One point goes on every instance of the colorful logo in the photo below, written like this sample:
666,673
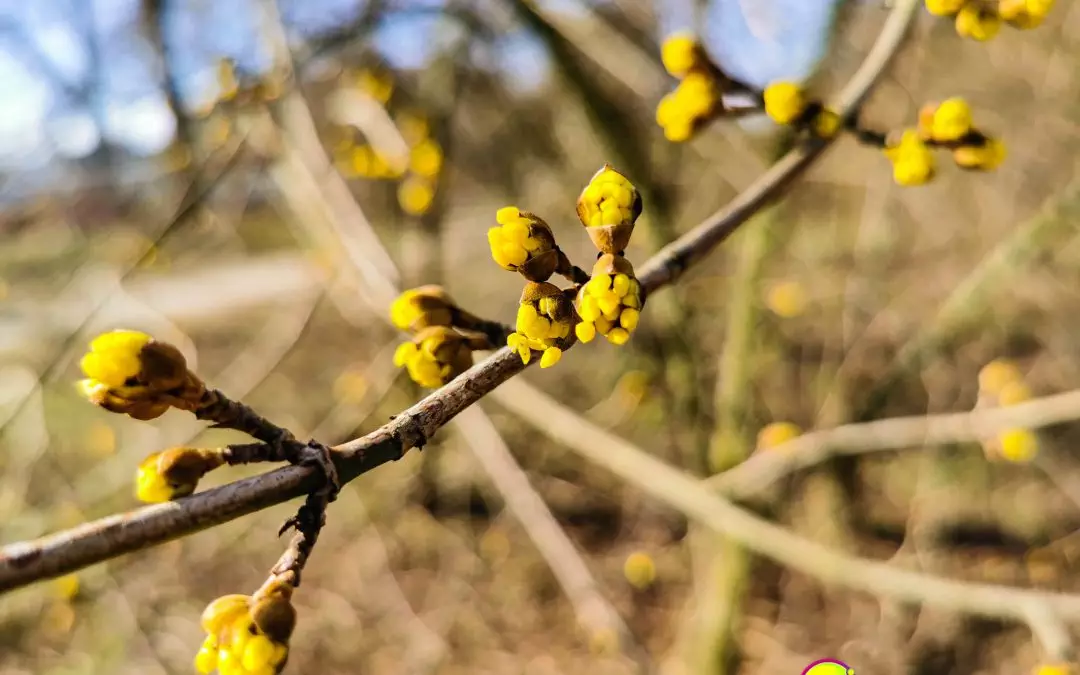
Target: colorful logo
828,667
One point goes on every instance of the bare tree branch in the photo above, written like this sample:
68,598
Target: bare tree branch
24,562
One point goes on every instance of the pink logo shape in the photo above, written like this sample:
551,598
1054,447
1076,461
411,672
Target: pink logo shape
828,667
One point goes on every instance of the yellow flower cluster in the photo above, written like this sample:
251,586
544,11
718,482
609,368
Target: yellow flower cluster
1001,383
776,434
913,163
173,473
435,356
247,635
950,125
129,372
608,207
545,320
696,99
981,21
522,242
786,103
610,303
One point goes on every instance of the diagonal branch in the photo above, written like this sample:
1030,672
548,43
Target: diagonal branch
693,497
22,563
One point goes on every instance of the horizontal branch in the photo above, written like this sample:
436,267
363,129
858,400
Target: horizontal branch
22,563
763,469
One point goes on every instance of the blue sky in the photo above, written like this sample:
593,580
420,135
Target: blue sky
51,108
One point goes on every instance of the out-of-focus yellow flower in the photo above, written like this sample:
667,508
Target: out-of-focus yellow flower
944,7
247,635
426,158
784,102
777,433
416,195
681,53
826,123
1054,669
173,473
1014,393
66,587
413,127
522,242
985,156
913,163
545,322
351,386
228,83
695,101
608,207
376,84
1024,14
640,570
1018,445
435,356
100,440
421,307
786,299
997,374
977,23
948,121
610,303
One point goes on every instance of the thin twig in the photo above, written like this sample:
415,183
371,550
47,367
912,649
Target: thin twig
695,499
764,469
22,563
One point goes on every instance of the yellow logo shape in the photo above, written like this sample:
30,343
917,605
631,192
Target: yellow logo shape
828,667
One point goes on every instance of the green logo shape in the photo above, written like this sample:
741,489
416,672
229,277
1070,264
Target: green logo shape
828,667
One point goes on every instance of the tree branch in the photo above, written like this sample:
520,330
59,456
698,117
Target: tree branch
693,497
22,563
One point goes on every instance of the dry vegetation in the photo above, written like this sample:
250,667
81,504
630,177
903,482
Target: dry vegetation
420,569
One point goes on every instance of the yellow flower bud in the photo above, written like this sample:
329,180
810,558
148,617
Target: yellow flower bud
996,375
784,102
681,53
546,322
610,303
950,121
522,242
977,23
913,163
129,372
1018,445
986,155
944,7
608,207
420,307
435,356
640,570
777,433
173,473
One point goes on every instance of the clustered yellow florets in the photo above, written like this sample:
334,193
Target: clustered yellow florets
610,303
247,635
777,433
981,21
522,242
696,99
435,356
950,125
129,372
786,103
545,323
608,207
913,163
1002,384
